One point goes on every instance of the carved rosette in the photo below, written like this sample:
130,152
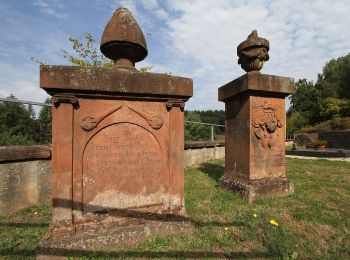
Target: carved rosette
88,123
266,123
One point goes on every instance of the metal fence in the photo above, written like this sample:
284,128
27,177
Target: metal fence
212,126
289,137
25,102
212,133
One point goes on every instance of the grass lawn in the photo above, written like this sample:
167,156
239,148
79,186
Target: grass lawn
312,223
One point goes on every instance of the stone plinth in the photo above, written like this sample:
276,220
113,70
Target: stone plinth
255,134
117,149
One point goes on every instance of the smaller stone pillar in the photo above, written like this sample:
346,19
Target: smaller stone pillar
255,126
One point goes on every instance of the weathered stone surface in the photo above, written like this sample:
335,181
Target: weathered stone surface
255,135
200,152
257,84
303,139
123,40
23,184
253,52
116,82
28,174
125,147
110,153
250,190
117,142
24,152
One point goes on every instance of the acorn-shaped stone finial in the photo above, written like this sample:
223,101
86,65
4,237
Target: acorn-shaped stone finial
123,40
253,52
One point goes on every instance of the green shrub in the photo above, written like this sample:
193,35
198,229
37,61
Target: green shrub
336,123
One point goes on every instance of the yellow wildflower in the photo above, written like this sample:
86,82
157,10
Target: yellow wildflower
273,222
226,228
255,215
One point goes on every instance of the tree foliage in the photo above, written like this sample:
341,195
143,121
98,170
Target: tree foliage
306,100
328,99
44,123
86,54
335,79
195,132
213,117
295,122
16,123
19,125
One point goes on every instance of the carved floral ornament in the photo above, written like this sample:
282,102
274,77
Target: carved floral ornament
266,123
88,123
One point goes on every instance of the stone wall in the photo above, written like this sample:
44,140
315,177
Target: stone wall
336,139
199,152
25,178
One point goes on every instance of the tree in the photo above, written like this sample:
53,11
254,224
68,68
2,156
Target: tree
335,107
85,54
44,121
306,100
335,78
295,122
213,117
195,132
17,123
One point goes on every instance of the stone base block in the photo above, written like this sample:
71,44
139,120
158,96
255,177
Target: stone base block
104,242
251,190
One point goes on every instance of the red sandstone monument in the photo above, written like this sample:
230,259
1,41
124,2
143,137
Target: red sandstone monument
117,148
255,126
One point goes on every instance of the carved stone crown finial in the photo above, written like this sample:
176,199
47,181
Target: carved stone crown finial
253,52
123,40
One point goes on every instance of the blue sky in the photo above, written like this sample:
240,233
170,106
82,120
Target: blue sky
195,39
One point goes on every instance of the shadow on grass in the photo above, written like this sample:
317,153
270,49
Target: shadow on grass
23,225
218,224
59,252
213,170
196,223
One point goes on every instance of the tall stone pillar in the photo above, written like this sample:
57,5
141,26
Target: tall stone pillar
117,148
255,126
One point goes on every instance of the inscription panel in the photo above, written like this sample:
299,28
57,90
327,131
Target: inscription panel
122,168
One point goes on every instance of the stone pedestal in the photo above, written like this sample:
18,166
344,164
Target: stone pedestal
117,150
255,135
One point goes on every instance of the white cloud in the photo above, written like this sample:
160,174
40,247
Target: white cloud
303,35
196,39
53,7
21,81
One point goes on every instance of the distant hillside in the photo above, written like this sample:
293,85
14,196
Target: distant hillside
213,117
333,124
